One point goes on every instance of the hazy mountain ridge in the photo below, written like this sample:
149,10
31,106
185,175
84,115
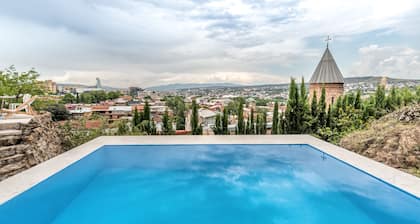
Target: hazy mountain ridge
180,86
377,79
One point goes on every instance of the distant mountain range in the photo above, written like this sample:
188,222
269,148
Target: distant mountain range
350,80
179,86
377,79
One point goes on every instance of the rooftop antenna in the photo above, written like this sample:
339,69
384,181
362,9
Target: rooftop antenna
328,40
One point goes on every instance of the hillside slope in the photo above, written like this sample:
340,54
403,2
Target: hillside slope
393,139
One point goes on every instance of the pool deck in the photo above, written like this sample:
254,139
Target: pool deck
21,182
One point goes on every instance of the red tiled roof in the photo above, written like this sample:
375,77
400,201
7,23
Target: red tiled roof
139,107
181,132
100,108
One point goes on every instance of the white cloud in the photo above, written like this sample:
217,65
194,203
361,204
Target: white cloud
400,62
154,41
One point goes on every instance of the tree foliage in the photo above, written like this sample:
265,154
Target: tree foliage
167,124
196,128
275,127
16,84
241,122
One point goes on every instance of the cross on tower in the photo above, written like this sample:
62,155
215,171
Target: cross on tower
328,40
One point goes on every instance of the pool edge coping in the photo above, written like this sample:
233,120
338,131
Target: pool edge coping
13,186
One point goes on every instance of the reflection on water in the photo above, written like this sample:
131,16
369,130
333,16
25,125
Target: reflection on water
230,184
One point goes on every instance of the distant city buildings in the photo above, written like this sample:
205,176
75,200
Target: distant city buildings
49,86
98,83
213,100
134,91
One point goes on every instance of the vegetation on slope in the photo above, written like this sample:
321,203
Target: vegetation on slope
393,139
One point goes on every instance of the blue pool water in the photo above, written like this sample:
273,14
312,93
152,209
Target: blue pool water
235,184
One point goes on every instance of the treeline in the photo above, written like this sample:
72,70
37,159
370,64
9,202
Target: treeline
350,112
142,123
312,116
256,124
177,105
91,97
13,83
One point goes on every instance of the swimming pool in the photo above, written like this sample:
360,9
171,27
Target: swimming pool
211,184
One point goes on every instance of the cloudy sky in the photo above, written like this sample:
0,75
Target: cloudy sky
155,42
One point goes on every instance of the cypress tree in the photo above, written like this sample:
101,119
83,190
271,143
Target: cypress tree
167,124
322,109
345,103
304,111
248,126
241,122
180,115
358,100
146,113
275,128
350,99
329,118
252,125
380,97
264,123
292,111
281,124
257,126
218,129
196,128
136,118
314,112
380,101
225,121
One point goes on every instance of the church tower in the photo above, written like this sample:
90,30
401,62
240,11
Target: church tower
327,75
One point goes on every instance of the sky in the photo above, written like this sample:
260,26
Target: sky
157,42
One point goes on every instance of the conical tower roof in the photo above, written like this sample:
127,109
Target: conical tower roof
327,70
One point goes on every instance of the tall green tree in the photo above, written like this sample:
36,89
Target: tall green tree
16,84
225,121
180,115
293,119
196,128
167,124
407,96
322,109
69,98
275,127
122,128
282,124
113,95
264,123
136,118
261,128
358,100
146,112
314,112
176,103
241,121
304,111
218,127
252,124
329,117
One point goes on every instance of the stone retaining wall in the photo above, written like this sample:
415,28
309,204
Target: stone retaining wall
23,145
